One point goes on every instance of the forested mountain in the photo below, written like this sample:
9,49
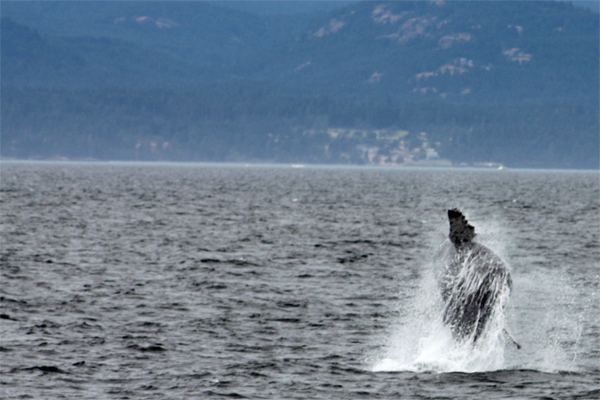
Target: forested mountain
197,32
363,82
29,59
485,50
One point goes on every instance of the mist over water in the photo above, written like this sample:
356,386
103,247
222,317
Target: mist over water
183,281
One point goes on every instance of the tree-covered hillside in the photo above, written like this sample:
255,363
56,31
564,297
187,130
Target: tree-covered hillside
31,60
197,32
514,83
460,50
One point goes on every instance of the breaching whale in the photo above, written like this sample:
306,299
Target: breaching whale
471,279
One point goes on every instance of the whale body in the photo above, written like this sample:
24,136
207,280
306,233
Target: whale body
471,280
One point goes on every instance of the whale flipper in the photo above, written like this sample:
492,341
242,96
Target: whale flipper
472,279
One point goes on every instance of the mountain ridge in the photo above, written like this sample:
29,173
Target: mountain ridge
407,45
29,59
199,33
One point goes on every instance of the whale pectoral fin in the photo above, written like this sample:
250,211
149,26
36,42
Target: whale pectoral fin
510,336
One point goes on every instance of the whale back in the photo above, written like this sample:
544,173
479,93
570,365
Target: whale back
471,294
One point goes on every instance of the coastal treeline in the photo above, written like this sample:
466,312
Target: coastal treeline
246,122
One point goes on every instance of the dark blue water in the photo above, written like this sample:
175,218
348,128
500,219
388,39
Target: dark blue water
200,281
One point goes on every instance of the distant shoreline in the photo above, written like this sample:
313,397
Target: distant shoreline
291,165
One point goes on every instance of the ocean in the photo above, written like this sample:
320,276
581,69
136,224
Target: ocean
200,281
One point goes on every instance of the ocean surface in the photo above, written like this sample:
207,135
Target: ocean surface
167,281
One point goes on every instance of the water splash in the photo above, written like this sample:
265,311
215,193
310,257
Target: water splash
546,320
540,313
420,342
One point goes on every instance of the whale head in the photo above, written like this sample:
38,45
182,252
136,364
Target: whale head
461,231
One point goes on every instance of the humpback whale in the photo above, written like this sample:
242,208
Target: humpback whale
471,279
